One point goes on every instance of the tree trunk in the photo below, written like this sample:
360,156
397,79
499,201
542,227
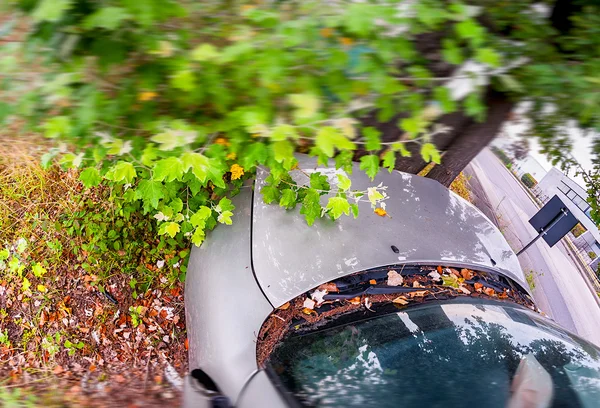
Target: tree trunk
472,140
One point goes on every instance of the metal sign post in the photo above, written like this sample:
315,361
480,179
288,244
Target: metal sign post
552,222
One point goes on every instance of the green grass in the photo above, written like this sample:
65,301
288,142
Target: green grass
530,277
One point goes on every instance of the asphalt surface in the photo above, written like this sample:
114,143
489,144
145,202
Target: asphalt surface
560,290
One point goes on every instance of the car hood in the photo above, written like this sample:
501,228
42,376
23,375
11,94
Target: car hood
427,224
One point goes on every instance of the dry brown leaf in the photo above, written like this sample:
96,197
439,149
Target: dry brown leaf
355,300
417,284
464,290
394,279
58,370
43,318
400,300
489,291
329,287
478,286
453,271
309,304
419,293
285,306
466,274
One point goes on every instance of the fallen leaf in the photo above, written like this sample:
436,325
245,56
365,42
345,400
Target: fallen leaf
439,269
464,290
394,279
503,295
419,293
329,287
92,368
43,318
478,286
380,211
58,370
401,300
450,280
309,304
186,343
453,271
489,291
285,306
373,282
466,274
417,284
368,304
41,288
308,311
355,300
317,296
435,276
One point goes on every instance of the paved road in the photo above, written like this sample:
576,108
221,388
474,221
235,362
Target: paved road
560,290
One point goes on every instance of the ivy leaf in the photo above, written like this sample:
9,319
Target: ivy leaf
200,216
90,177
150,191
283,152
225,217
50,10
430,153
169,228
389,160
204,52
198,163
198,236
109,18
370,165
319,181
288,198
330,138
307,105
311,206
270,193
344,182
121,172
338,206
168,169
255,153
443,96
372,137
488,56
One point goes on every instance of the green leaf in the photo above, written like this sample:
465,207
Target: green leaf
338,206
474,107
121,172
225,217
450,280
470,30
200,216
109,18
170,228
270,194
255,153
344,183
510,83
413,126
283,132
224,205
389,160
359,18
430,153
168,169
451,52
184,80
172,139
288,198
198,236
372,138
443,96
330,138
50,10
205,52
307,105
149,155
374,195
319,181
25,285
354,209
199,164
488,56
38,270
150,191
57,126
90,177
400,147
343,160
311,206
370,165
283,152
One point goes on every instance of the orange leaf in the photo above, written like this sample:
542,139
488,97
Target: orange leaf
439,269
285,306
355,300
400,300
478,286
186,343
326,32
466,274
380,211
419,293
346,41
373,282
489,291
329,287
308,311
146,96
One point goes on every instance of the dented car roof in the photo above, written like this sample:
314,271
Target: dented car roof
427,224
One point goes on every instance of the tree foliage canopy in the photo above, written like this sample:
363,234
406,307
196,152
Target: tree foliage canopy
174,103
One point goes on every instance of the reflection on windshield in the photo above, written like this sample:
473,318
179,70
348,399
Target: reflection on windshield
442,356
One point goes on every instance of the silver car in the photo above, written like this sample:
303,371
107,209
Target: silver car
425,307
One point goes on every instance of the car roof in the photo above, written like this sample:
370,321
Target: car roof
427,224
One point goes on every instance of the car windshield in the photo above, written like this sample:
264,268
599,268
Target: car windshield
441,355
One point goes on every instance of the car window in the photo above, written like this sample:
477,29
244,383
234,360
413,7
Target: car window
440,356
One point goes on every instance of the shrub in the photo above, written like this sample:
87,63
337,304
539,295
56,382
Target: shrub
592,255
578,230
528,180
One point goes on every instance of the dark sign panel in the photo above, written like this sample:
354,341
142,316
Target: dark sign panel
550,214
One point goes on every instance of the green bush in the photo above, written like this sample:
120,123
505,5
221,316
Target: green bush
578,230
528,180
592,255
502,156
